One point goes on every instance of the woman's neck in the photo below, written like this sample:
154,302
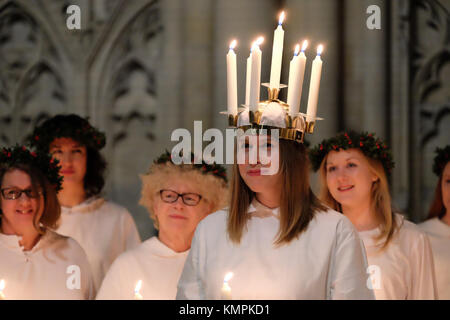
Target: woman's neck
362,216
71,195
268,199
178,243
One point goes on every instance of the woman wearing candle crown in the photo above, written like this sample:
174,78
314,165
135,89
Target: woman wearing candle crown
35,262
276,238
353,170
102,228
177,197
437,226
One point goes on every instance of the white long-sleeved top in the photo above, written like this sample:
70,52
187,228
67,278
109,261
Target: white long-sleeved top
52,270
327,261
158,266
404,269
439,234
103,229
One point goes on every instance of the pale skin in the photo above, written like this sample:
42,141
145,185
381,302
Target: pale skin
350,180
266,187
18,214
445,187
178,221
72,158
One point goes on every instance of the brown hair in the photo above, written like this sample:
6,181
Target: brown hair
437,208
52,209
380,198
298,203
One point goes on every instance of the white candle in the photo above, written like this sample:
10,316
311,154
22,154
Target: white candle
232,79
248,79
296,75
137,295
277,54
255,81
2,287
314,86
226,289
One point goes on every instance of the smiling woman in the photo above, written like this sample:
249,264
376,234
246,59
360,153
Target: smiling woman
31,254
177,197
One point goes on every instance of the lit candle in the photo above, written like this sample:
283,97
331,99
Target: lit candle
248,77
232,79
226,289
137,295
277,54
255,81
2,287
296,74
314,85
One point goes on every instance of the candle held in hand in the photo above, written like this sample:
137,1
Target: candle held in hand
137,295
226,289
2,287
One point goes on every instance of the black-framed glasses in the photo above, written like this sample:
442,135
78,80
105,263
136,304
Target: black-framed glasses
16,193
189,199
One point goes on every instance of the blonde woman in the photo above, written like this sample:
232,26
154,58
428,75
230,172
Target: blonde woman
353,171
276,240
437,226
177,197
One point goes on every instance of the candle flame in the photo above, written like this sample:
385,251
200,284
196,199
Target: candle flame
138,286
282,16
319,49
233,44
2,285
305,45
259,41
228,277
297,49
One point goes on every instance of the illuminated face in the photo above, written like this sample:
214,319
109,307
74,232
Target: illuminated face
446,187
349,177
252,172
175,217
73,159
19,212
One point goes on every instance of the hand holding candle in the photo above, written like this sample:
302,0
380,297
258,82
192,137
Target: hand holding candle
137,295
296,75
232,79
277,54
314,86
226,289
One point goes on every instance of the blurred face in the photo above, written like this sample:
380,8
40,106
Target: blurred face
349,177
251,173
73,159
177,217
18,213
446,187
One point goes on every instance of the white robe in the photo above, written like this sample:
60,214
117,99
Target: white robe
103,229
439,234
45,272
327,261
158,266
404,270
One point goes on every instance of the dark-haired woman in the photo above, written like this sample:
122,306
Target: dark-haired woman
437,226
35,262
276,240
103,229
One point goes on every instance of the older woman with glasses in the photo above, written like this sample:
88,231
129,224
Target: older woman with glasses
177,197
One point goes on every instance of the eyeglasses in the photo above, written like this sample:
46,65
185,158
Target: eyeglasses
189,199
15,193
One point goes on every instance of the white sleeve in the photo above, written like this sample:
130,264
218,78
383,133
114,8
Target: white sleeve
348,277
423,286
111,288
190,283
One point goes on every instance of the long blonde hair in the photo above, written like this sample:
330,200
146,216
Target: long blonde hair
380,199
298,204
